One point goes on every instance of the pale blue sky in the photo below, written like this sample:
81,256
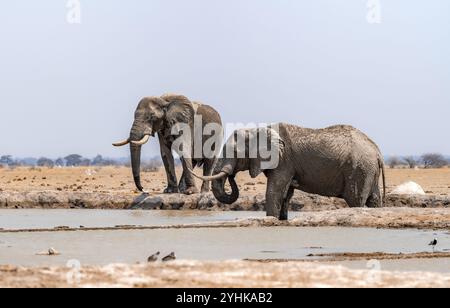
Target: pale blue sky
73,88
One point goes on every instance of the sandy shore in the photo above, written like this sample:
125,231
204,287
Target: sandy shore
255,202
230,274
112,188
384,218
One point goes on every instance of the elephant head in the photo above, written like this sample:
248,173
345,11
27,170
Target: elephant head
247,150
148,120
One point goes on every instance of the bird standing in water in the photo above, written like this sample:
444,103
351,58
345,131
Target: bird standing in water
153,258
433,244
170,257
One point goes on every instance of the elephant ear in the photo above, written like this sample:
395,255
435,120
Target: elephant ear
179,110
269,154
255,168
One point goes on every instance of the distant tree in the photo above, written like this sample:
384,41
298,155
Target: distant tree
85,162
98,161
6,160
28,161
434,160
394,162
411,162
45,162
59,162
73,160
15,163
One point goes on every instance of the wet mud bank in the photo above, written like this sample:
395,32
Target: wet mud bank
347,256
256,202
229,274
382,218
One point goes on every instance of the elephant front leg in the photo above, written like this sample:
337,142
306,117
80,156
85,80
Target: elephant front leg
169,166
187,179
279,193
207,171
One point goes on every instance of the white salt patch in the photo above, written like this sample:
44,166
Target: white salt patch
409,188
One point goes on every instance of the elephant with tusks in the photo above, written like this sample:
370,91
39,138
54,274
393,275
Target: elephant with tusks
159,116
338,161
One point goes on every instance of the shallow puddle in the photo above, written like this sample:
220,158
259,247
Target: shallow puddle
105,247
48,219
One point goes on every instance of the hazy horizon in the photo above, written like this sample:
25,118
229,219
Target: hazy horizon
73,88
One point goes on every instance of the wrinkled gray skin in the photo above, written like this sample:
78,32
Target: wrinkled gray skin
156,116
338,161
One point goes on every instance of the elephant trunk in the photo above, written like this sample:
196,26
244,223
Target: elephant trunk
136,165
135,149
220,193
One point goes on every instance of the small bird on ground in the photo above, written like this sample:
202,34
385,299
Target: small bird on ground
153,258
170,257
433,244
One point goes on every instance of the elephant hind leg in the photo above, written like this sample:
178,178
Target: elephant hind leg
278,188
375,200
285,206
358,192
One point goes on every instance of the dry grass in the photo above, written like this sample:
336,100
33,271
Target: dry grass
112,179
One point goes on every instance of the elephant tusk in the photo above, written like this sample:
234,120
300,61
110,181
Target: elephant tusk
122,143
142,141
219,176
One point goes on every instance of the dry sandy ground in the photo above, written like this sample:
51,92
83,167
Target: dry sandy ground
112,188
230,274
111,179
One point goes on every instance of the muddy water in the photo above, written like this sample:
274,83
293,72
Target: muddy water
104,247
48,219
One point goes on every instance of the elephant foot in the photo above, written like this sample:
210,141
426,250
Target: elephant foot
283,217
190,191
171,190
206,189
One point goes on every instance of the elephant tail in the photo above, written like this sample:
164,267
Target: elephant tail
383,171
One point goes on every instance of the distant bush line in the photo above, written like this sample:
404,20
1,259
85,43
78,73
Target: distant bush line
76,160
426,161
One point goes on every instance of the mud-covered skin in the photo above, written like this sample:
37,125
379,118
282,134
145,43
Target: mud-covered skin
338,161
157,116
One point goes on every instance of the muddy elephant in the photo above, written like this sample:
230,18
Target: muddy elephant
158,116
338,161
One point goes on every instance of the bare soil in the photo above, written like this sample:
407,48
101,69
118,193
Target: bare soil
119,180
113,188
231,274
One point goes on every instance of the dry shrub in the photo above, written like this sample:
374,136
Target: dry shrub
434,160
